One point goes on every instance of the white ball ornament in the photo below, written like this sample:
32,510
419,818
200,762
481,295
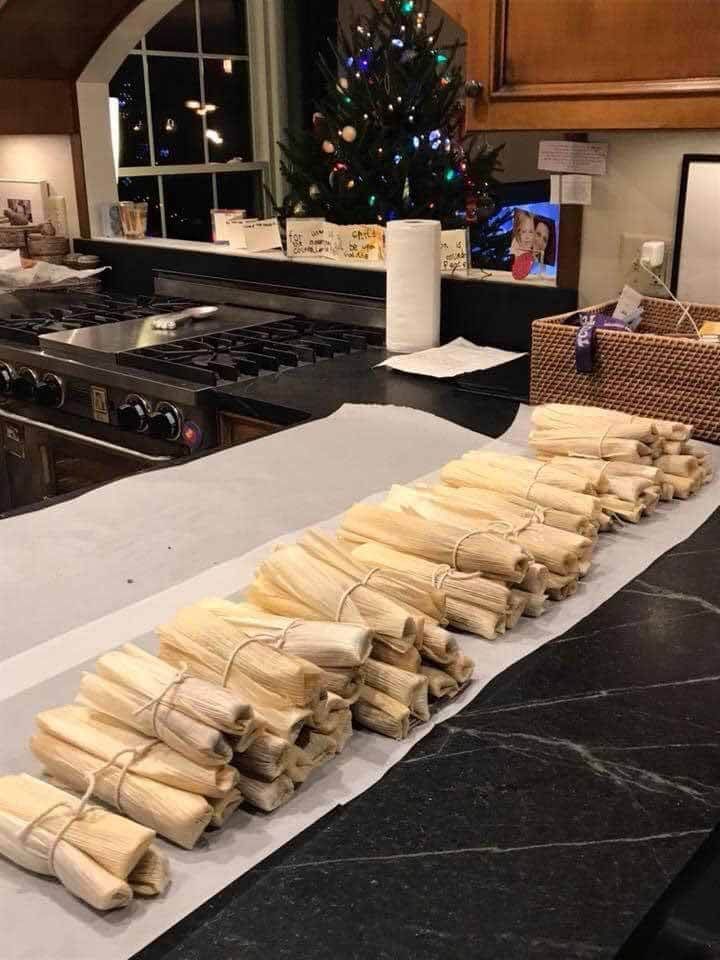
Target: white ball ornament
348,134
344,84
328,146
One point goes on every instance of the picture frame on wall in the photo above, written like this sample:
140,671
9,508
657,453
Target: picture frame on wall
696,255
23,202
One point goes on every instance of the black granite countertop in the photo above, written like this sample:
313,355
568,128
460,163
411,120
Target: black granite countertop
540,823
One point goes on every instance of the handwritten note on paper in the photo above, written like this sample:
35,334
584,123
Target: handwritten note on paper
361,242
453,251
262,235
571,188
570,156
307,237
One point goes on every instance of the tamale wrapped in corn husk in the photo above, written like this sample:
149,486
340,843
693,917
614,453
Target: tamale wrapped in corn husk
628,510
151,876
265,759
536,579
471,618
115,843
175,814
534,604
619,468
560,588
283,720
197,741
325,644
679,466
105,739
518,602
547,472
318,747
343,732
77,872
684,487
408,688
297,681
334,595
553,416
594,470
343,682
606,522
379,712
409,661
438,644
579,441
461,670
411,533
694,449
266,796
468,473
440,684
224,807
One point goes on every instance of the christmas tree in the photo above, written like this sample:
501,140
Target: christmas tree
388,138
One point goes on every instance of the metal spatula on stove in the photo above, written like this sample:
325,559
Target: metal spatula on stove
171,321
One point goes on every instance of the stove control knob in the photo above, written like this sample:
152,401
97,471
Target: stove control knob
165,423
49,392
133,414
7,377
25,384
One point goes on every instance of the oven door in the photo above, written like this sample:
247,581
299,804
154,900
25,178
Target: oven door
40,462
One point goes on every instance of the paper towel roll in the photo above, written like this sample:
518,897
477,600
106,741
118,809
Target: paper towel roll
413,285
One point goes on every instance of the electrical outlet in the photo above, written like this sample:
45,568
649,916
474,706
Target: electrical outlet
630,244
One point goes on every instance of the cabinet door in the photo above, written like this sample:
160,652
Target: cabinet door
592,64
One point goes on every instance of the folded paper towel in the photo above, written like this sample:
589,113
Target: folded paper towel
457,357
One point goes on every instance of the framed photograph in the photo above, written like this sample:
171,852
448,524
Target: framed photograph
696,256
22,202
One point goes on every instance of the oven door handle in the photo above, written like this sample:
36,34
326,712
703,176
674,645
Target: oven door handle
80,437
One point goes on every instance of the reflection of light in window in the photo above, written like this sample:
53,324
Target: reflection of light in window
192,104
228,65
170,125
214,136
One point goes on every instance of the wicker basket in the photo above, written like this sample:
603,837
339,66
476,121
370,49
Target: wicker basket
658,372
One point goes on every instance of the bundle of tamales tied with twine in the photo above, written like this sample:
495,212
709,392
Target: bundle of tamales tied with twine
98,856
152,741
300,679
413,658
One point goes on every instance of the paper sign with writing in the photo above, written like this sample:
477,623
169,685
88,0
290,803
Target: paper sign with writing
570,156
359,242
307,237
262,235
453,251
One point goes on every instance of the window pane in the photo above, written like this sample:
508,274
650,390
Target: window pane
177,129
129,87
176,31
143,188
227,87
240,191
188,201
224,26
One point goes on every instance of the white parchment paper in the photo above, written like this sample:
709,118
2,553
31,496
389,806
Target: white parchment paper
46,674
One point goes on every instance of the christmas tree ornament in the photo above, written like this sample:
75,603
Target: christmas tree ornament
314,191
343,83
348,133
300,210
328,146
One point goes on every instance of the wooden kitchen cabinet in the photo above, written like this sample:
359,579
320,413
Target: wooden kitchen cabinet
591,64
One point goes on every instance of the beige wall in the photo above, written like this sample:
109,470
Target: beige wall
42,158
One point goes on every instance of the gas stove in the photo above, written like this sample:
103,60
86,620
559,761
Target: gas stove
91,368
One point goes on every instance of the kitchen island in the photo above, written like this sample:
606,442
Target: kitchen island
543,821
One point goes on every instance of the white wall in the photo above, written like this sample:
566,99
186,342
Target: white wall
45,157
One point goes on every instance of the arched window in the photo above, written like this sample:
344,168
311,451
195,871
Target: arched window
195,118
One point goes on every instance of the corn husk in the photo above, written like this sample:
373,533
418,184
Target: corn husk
467,552
271,711
621,469
335,595
297,681
461,670
468,473
629,510
113,842
408,688
533,470
409,660
151,876
649,501
438,644
317,747
175,814
324,644
77,872
679,466
266,758
104,739
694,449
196,741
224,807
440,684
560,588
488,624
557,416
379,712
344,683
534,604
468,587
343,732
582,442
594,470
684,487
266,796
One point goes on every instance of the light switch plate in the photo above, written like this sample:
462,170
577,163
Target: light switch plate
630,245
